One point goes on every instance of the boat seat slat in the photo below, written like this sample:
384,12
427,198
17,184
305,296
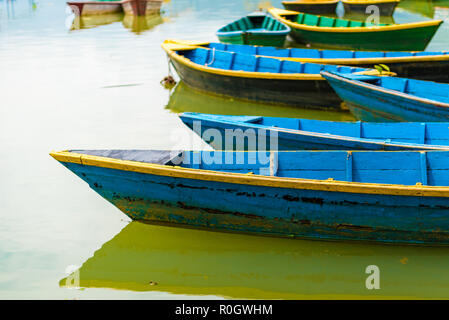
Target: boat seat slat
349,166
423,165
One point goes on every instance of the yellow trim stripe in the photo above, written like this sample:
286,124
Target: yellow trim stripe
246,179
170,47
279,13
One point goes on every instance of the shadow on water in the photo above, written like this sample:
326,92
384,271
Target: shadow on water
185,99
185,261
136,24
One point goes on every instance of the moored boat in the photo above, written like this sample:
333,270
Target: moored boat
86,8
385,7
372,98
257,28
312,6
422,65
338,33
141,7
255,132
396,197
256,78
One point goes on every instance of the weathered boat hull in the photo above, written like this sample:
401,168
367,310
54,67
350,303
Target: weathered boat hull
87,8
270,211
314,7
385,8
299,93
381,106
141,7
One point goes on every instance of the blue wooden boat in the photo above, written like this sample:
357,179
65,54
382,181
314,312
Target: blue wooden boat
257,28
304,134
422,65
255,78
373,98
386,196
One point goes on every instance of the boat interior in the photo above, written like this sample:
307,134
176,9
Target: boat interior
254,23
243,62
316,53
432,133
321,21
397,167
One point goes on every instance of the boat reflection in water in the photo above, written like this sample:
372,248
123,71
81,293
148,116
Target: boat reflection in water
185,261
136,24
87,22
185,99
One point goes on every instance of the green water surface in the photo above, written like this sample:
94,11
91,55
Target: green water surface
95,83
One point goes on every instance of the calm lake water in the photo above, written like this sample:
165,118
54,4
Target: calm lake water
94,83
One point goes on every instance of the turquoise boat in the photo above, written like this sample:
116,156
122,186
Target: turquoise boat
261,79
305,134
386,196
373,98
257,28
422,65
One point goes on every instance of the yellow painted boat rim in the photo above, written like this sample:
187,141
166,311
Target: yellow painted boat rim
252,179
279,13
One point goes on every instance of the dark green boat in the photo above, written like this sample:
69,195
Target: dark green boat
257,28
337,33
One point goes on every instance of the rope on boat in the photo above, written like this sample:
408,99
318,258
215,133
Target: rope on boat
213,58
168,82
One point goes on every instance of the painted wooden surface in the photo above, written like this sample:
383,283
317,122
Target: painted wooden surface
386,7
398,197
256,78
312,6
256,29
422,65
305,134
338,33
392,99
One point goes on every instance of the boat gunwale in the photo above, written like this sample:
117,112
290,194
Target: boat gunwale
379,142
279,13
253,179
240,73
388,91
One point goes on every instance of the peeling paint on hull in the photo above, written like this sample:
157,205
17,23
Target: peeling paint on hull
271,211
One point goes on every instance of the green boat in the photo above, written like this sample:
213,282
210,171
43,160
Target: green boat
257,28
337,33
